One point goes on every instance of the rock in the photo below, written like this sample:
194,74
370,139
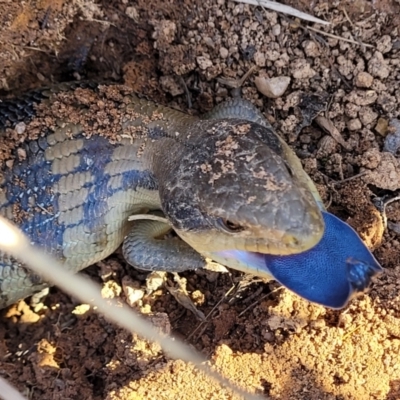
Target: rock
377,66
276,30
259,59
311,48
131,290
273,87
223,52
367,115
363,80
354,124
204,62
382,126
384,44
362,97
392,141
20,128
301,69
132,13
387,174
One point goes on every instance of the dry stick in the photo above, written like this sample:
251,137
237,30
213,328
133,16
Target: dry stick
282,8
185,88
236,83
36,49
212,310
339,37
8,392
343,9
351,178
15,243
259,300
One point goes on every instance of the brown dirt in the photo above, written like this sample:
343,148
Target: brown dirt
273,344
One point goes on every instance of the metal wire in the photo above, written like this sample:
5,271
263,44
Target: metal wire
13,242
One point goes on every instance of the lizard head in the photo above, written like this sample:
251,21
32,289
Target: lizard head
331,273
229,186
239,196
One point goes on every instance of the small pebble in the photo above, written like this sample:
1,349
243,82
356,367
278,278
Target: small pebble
204,62
20,128
354,124
40,77
384,44
311,48
81,309
10,163
273,87
155,280
392,141
209,42
132,290
133,295
21,154
301,69
132,13
223,52
259,59
326,146
363,80
111,290
377,66
276,30
382,126
367,115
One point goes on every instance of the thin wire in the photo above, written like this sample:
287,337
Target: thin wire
8,392
13,242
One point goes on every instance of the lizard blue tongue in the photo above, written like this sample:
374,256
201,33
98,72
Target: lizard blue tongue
330,273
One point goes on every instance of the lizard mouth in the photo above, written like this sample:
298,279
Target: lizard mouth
329,274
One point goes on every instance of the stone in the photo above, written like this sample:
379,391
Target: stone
273,87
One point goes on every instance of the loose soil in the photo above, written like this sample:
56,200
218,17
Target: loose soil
269,342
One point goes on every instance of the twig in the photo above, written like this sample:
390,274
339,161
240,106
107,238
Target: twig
272,5
339,37
36,49
328,125
259,300
45,21
351,178
236,83
210,313
343,9
185,88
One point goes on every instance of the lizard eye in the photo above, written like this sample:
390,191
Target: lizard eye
228,226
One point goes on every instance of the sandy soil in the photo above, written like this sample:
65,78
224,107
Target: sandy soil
268,342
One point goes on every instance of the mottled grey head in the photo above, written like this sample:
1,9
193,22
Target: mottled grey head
231,185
